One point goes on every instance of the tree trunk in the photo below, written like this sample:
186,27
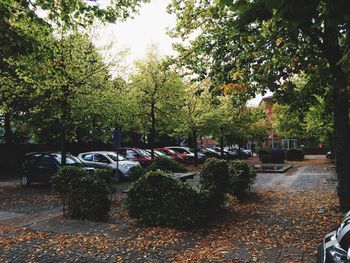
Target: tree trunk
63,135
342,141
153,130
8,131
222,146
194,137
333,53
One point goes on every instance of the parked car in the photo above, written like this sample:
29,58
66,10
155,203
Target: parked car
158,153
330,155
108,160
336,244
210,153
136,154
228,154
40,167
172,154
186,153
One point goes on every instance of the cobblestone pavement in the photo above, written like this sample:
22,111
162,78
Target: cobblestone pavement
47,237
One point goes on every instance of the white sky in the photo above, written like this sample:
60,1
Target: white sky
147,28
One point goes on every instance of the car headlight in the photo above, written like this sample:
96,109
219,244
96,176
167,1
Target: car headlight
125,166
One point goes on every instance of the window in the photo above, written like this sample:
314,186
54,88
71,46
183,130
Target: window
99,158
131,154
47,162
116,157
87,157
179,150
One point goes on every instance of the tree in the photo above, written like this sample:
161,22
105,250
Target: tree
287,123
65,18
266,43
158,91
195,113
319,122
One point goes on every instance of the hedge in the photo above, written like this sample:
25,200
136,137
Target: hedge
85,194
241,177
295,155
158,198
166,164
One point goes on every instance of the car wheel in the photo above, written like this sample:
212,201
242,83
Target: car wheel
25,181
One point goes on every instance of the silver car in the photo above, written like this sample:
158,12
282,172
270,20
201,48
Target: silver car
336,244
109,160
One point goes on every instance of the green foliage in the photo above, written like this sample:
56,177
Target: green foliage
287,123
160,199
261,151
241,177
213,180
295,155
319,121
158,93
135,173
85,194
167,165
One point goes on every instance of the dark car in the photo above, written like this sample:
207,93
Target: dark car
41,166
336,244
136,154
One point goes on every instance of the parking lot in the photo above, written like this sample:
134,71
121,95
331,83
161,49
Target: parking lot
281,222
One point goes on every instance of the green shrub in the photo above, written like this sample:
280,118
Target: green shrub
84,194
160,199
135,173
213,180
166,164
263,151
295,155
240,178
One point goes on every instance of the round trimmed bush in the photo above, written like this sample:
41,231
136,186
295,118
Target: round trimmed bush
213,180
241,177
84,194
160,199
295,155
166,164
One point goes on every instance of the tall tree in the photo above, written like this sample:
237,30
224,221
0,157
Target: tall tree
158,91
267,42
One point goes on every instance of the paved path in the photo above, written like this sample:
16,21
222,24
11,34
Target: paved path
319,178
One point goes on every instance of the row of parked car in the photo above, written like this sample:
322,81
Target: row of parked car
41,166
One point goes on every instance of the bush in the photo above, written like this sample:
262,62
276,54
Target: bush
241,177
263,151
295,155
213,180
160,199
166,164
84,194
135,173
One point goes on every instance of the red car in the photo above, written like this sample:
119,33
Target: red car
172,154
136,154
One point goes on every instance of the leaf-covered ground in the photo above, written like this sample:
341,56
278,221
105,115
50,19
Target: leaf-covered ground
279,225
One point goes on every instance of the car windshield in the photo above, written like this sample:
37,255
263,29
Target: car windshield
159,153
115,157
70,159
143,152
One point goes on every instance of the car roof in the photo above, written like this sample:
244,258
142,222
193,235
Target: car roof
41,153
102,152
